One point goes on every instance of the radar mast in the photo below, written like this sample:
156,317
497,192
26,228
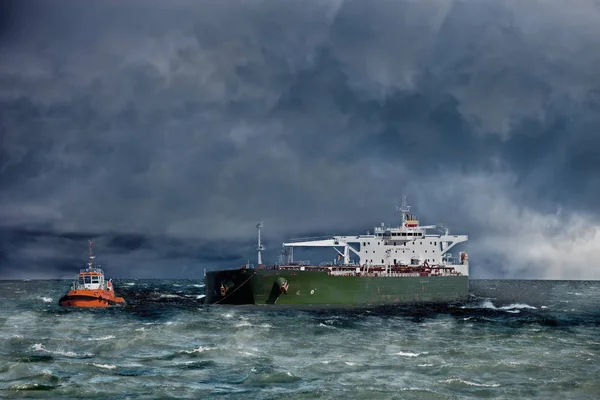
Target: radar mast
260,247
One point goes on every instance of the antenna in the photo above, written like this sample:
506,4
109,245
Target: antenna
260,247
404,208
90,263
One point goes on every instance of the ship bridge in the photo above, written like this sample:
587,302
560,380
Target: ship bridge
404,244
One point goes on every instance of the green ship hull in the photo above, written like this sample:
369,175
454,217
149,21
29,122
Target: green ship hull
318,287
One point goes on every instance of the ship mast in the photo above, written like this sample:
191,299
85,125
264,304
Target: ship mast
260,247
91,262
405,209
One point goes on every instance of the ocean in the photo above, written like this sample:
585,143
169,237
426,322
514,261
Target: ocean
512,339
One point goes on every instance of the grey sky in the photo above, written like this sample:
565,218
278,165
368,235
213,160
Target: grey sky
167,129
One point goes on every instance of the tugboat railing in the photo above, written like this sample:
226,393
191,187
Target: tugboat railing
91,270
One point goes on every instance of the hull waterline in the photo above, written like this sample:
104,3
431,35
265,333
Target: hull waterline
265,286
89,299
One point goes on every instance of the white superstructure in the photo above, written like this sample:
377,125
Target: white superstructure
407,244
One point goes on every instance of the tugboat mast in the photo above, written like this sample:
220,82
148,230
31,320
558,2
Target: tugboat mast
91,262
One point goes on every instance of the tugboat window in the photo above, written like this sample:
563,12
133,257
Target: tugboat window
87,279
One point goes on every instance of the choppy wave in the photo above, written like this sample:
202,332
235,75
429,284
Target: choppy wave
506,341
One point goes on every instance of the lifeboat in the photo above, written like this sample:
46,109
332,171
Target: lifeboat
91,289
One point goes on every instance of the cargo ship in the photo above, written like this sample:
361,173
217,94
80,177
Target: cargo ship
393,264
91,289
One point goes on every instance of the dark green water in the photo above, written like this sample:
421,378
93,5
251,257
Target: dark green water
511,339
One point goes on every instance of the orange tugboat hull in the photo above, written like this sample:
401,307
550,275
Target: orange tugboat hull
90,298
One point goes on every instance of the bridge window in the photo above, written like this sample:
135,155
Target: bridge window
87,279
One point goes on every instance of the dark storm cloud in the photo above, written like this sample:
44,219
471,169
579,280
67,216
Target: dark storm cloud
168,129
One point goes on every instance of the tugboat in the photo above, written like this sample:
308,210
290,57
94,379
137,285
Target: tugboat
91,289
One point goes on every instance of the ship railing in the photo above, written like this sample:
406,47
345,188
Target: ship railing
310,239
330,264
300,263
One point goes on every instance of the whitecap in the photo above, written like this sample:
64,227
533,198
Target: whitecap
407,354
326,326
469,383
200,349
46,299
105,366
107,337
512,308
518,306
40,347
169,296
